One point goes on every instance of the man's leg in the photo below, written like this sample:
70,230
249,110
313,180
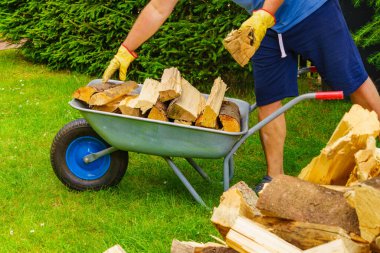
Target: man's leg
273,138
367,96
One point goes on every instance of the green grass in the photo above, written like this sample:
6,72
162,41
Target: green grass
150,207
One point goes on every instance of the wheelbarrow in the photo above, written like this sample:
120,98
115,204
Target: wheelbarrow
92,153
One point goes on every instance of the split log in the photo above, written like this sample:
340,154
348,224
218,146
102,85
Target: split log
183,122
229,117
126,106
367,163
209,116
148,95
239,200
158,112
115,249
110,107
170,87
338,246
294,199
84,93
336,160
107,96
365,198
188,106
105,86
375,245
248,236
305,235
194,247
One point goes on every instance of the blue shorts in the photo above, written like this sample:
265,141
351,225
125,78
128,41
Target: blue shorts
325,40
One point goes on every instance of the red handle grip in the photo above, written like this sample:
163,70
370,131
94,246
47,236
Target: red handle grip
326,95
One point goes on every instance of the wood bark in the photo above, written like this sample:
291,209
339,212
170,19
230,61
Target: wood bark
367,163
336,160
158,112
109,95
188,106
170,87
195,247
208,117
291,198
229,117
365,198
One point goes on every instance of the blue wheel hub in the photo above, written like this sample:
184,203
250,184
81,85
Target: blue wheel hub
81,147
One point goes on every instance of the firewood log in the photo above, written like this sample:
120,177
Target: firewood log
248,236
107,96
112,106
229,117
84,93
115,249
158,112
209,116
291,198
126,106
188,106
336,160
239,200
194,247
170,87
367,163
365,198
148,95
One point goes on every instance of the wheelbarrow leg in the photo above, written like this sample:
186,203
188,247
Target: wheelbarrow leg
226,173
185,181
198,169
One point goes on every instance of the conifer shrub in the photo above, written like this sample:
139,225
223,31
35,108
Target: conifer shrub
83,36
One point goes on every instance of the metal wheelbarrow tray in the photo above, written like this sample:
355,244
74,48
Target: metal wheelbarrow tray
84,153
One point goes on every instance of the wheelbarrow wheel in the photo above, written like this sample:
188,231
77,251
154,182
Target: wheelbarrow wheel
76,140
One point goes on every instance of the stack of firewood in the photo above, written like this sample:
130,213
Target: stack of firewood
173,99
333,205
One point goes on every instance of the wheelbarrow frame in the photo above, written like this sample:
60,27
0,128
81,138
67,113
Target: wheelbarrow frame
176,136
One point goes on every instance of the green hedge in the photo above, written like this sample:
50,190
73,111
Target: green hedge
84,35
369,35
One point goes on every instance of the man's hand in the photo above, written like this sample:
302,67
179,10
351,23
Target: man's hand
258,24
243,43
121,62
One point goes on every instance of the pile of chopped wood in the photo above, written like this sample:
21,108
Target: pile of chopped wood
333,205
173,99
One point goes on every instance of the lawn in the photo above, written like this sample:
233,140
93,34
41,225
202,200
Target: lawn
150,207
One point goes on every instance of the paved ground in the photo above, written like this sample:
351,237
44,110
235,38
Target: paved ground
5,45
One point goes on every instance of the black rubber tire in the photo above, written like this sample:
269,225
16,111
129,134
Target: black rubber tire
70,132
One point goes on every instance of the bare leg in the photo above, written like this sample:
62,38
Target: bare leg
273,138
367,96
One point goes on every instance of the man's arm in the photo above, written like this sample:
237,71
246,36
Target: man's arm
272,5
148,22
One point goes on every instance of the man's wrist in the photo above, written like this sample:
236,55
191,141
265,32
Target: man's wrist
133,53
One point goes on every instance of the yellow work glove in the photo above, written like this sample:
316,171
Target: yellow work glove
121,62
258,24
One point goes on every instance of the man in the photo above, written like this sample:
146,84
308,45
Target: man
283,29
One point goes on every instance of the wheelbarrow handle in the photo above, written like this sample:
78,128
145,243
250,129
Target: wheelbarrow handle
329,95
